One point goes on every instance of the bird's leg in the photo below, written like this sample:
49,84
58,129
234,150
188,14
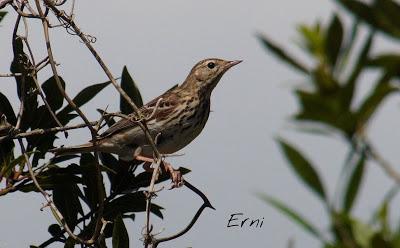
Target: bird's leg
144,159
175,175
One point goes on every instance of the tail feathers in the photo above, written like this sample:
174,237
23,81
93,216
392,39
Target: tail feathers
84,148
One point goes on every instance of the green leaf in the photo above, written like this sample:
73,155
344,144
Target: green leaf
348,89
303,168
129,86
70,243
65,197
54,230
387,62
381,16
25,84
120,237
326,110
313,39
293,215
282,54
362,232
53,94
371,103
130,203
6,108
83,97
334,38
2,15
88,164
387,13
354,183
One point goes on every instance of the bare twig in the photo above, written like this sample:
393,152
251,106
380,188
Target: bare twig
385,165
4,3
93,132
51,130
206,203
10,74
57,214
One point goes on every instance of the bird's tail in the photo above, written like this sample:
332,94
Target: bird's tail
84,148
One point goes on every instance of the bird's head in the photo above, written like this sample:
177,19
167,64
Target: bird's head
206,74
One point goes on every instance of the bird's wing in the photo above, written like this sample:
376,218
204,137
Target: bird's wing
164,107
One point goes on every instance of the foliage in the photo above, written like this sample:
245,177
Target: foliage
327,103
73,183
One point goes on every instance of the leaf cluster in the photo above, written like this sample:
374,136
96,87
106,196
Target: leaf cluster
327,106
71,179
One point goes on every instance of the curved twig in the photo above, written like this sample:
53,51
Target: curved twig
206,204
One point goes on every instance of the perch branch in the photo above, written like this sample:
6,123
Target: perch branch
206,203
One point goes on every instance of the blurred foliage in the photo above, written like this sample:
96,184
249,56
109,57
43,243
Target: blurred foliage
70,178
327,106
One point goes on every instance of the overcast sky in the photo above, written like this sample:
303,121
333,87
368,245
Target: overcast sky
236,155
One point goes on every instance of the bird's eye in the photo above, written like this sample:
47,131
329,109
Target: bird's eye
211,65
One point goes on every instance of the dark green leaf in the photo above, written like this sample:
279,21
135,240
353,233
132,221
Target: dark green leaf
84,96
334,38
54,230
281,54
65,197
381,16
130,203
6,108
325,110
53,94
374,99
348,89
2,15
54,177
387,13
293,215
25,84
129,86
120,237
353,185
70,243
360,9
387,62
379,241
89,178
303,168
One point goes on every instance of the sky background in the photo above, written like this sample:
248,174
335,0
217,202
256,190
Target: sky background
236,155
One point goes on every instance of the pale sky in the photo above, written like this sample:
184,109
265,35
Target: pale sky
236,155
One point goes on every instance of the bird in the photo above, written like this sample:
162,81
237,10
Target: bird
174,119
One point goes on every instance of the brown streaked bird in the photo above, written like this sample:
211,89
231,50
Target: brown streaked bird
179,117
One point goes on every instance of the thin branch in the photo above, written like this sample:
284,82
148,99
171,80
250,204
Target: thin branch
57,214
93,132
10,74
384,164
206,204
142,124
51,130
34,77
4,3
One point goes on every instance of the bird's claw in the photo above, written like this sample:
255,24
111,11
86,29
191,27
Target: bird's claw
176,176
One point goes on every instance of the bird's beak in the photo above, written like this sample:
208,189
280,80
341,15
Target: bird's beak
232,63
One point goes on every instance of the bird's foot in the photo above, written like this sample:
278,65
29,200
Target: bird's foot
176,176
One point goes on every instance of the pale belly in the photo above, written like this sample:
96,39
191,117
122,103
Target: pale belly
175,138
